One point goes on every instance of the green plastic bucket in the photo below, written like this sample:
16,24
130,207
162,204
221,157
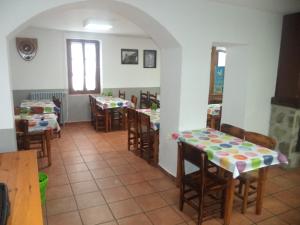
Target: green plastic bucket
43,180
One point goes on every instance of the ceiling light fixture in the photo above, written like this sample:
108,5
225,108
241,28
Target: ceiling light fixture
96,25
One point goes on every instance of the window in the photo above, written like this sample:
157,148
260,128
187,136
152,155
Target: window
83,66
221,58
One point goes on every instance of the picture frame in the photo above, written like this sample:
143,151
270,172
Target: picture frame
150,58
129,56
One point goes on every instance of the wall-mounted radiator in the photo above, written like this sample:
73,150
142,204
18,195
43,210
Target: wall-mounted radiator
61,95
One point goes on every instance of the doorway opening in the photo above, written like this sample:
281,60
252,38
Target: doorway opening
215,97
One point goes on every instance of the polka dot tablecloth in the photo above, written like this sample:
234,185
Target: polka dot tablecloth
106,102
230,153
154,117
48,105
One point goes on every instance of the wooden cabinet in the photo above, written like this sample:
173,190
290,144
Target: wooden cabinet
288,75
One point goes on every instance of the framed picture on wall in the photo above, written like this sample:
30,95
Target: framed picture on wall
129,56
149,58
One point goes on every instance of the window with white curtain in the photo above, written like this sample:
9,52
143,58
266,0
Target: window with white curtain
83,66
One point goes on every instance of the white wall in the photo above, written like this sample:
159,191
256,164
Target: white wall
48,69
195,26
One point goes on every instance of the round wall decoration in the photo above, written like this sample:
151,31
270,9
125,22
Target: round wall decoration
27,48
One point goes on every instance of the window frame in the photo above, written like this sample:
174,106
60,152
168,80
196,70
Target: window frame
69,64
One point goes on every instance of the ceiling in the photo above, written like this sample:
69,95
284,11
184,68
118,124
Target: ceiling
71,17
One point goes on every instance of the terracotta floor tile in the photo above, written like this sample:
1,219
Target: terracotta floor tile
238,218
164,216
110,155
66,155
56,180
162,184
140,189
61,205
108,182
59,192
288,197
80,176
96,215
188,213
110,223
150,202
102,173
123,169
116,194
140,219
141,166
73,160
71,218
55,170
171,196
274,205
116,161
272,221
250,214
84,187
152,173
291,217
283,182
131,178
76,168
125,208
92,158
89,200
97,164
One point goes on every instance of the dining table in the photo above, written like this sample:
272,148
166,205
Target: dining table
155,125
48,105
235,156
109,103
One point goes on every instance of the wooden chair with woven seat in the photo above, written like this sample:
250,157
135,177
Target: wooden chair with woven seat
247,181
132,127
91,108
34,140
58,105
98,115
146,135
144,100
202,190
232,130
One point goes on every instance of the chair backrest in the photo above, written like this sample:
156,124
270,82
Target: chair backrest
144,124
233,130
260,139
155,101
37,110
121,94
194,156
152,97
144,100
134,101
56,101
132,118
22,126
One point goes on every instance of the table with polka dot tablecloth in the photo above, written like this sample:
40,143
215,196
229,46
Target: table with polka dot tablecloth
108,102
230,153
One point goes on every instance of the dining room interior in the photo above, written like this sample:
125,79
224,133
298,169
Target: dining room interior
119,112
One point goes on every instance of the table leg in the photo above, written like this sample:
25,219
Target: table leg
261,189
48,146
178,177
106,114
229,200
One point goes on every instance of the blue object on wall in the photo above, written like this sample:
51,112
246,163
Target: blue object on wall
219,79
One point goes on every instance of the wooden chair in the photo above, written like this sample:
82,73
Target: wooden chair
132,127
152,99
247,181
202,190
134,101
37,110
58,105
98,115
91,108
121,94
17,110
144,100
232,130
146,135
34,140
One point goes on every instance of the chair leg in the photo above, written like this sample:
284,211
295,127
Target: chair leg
245,197
200,213
181,197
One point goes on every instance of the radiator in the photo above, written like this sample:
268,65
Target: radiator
61,95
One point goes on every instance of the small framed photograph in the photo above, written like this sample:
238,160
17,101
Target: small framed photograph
149,58
129,56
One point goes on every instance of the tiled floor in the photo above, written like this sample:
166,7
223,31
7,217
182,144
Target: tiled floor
95,180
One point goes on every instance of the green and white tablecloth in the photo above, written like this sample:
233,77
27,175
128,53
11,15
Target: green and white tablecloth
154,117
48,105
39,122
214,109
230,153
107,102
